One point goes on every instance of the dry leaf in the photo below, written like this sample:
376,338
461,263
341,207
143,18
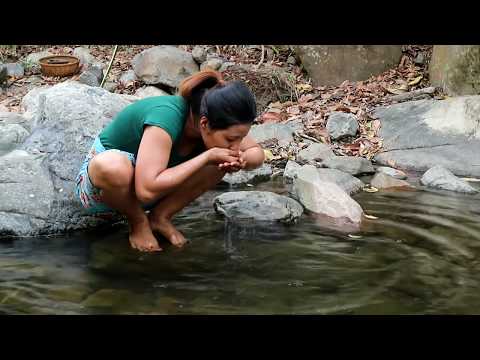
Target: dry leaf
416,80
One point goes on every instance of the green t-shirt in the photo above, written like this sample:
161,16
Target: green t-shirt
126,129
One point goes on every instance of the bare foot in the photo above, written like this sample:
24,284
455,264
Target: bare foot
142,238
166,228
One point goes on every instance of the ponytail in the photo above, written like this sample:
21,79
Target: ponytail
224,104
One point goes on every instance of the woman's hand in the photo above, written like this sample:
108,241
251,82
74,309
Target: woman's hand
231,167
217,156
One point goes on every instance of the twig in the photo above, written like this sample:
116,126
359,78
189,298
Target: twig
109,66
306,136
262,58
412,94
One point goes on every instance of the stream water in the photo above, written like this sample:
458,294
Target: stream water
421,256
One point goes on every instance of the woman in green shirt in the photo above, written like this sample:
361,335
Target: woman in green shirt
161,153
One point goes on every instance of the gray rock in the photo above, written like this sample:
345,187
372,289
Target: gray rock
315,151
421,134
290,171
257,206
265,132
325,198
11,135
149,91
14,118
166,65
341,125
226,65
110,86
350,164
127,77
15,69
26,193
212,64
34,58
92,76
440,178
397,174
86,58
384,181
3,75
347,182
419,59
199,54
333,64
291,60
65,120
262,173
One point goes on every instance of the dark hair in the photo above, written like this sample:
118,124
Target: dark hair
223,103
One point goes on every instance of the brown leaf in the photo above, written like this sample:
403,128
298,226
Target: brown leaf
376,124
270,117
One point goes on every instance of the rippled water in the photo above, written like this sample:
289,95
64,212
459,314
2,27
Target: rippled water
420,257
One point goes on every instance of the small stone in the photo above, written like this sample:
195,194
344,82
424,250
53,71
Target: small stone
384,181
291,170
15,70
315,152
110,86
420,59
127,78
199,54
263,173
291,60
341,125
92,77
350,164
397,174
212,64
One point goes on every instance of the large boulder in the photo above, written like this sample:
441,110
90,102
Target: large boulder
26,193
421,134
165,65
341,125
257,206
267,132
455,69
65,120
263,173
350,164
325,198
440,178
333,64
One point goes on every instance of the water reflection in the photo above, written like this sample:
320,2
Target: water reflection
419,256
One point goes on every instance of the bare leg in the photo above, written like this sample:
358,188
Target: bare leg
114,174
160,217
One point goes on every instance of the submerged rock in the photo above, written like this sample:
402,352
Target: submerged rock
262,173
384,181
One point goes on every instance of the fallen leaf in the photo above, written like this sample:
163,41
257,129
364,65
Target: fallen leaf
416,80
371,217
354,236
268,154
370,189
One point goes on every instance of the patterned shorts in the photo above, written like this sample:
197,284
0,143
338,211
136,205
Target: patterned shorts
87,193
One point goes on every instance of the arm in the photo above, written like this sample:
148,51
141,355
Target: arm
252,153
152,177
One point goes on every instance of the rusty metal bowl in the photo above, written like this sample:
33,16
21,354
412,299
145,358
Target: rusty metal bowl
59,65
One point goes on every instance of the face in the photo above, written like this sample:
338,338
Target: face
229,138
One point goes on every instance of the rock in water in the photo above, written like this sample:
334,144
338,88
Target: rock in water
165,65
263,173
349,164
397,174
257,206
340,125
346,181
384,181
440,178
325,198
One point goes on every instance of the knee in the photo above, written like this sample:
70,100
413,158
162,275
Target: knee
112,169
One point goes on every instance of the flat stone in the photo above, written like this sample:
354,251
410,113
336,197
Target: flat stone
384,181
241,177
315,151
350,164
440,178
397,174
